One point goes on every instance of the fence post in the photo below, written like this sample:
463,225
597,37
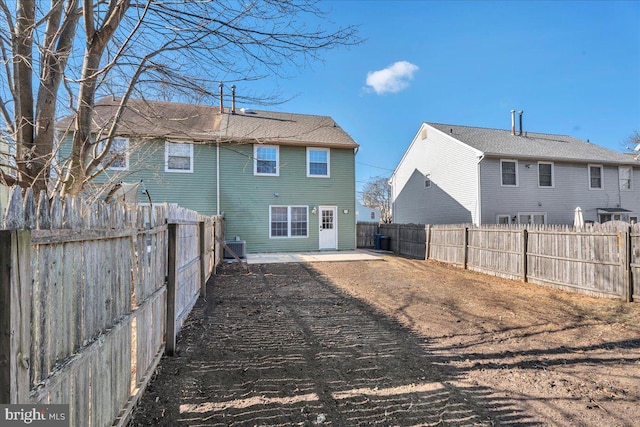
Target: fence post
397,239
465,254
525,238
172,257
626,259
427,241
203,261
15,315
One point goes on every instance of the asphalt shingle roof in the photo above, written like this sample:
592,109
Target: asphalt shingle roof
498,142
203,123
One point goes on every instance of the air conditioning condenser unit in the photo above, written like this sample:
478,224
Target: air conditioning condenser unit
239,247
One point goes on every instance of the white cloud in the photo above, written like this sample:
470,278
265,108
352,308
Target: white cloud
392,79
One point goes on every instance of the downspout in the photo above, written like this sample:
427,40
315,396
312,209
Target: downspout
478,220
218,177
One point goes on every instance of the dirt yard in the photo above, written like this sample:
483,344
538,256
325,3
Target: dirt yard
396,342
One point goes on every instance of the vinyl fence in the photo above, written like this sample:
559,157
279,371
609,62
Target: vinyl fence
92,296
601,261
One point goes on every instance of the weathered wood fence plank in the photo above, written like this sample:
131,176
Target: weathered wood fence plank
15,315
601,261
88,328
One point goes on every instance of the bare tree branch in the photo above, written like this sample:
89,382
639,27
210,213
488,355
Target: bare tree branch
128,47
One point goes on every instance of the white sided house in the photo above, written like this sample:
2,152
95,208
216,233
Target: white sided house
453,174
365,214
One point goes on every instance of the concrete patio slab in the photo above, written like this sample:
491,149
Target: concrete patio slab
300,257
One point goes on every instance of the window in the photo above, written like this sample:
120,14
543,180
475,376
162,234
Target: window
545,174
595,177
318,162
289,221
118,156
532,217
609,217
178,157
509,172
266,159
625,174
633,219
427,180
504,219
373,215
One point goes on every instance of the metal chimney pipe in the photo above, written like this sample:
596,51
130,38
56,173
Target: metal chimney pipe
233,99
221,103
513,122
520,113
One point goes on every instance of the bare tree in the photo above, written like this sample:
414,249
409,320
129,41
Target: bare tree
633,142
59,58
376,194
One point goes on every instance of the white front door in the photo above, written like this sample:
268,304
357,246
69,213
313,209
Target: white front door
328,227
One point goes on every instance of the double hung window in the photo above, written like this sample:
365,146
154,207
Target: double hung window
289,221
178,157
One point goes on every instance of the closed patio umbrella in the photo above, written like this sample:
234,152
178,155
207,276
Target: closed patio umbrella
578,220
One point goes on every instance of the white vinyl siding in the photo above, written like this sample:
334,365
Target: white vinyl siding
625,174
596,177
452,197
178,157
509,173
266,160
318,163
288,221
545,175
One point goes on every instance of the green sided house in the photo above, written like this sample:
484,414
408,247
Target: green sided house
283,181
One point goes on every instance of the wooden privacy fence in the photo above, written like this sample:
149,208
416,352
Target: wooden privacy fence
601,261
91,296
366,231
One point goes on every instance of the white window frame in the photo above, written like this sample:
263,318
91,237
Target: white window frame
502,161
630,168
601,176
255,160
168,144
126,154
553,175
326,150
532,214
427,180
499,216
289,207
611,215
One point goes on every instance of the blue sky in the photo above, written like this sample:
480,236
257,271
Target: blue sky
572,66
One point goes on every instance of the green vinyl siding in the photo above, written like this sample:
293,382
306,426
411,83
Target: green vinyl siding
195,190
245,198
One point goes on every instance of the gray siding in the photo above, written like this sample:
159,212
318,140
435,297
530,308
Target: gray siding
571,189
452,166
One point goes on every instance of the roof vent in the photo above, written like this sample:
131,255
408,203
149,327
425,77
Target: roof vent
520,114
